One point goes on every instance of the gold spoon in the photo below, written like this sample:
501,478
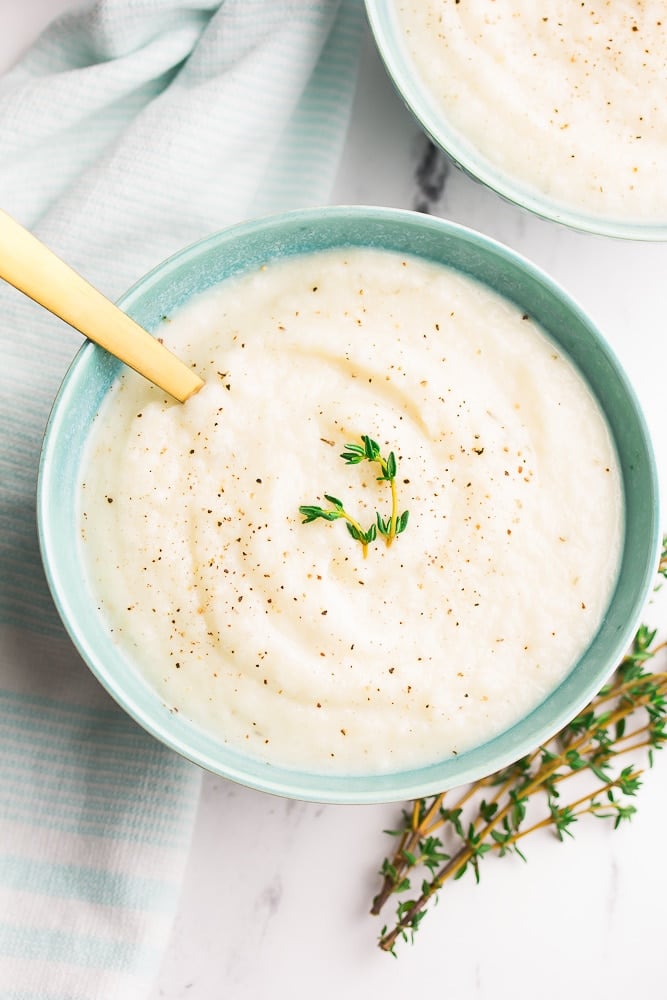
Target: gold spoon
41,275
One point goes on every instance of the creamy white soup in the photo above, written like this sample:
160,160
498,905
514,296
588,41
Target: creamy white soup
570,98
294,641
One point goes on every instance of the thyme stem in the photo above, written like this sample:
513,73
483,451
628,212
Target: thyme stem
359,530
394,512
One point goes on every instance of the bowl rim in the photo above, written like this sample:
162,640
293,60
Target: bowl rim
381,17
339,789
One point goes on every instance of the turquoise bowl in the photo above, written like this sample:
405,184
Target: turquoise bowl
415,94
244,248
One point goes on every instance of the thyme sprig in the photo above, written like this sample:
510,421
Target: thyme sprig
438,842
335,512
390,527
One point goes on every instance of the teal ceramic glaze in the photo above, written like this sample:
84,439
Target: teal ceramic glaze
417,98
243,248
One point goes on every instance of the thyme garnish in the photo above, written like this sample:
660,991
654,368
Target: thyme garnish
390,527
438,842
338,511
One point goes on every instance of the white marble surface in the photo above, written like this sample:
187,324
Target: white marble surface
277,893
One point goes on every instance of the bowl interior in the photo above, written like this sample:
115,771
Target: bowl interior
390,43
245,248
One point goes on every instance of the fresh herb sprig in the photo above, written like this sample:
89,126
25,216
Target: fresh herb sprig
369,451
335,512
439,842
389,527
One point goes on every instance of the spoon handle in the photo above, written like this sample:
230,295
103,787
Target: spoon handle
41,275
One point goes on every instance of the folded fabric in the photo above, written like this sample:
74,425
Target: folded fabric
131,128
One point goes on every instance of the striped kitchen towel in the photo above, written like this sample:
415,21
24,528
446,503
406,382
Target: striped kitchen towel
131,128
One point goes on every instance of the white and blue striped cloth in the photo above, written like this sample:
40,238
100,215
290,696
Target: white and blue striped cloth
131,128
